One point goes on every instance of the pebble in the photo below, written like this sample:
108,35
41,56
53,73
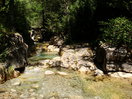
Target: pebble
16,74
16,83
35,86
62,73
48,72
41,96
31,90
52,98
13,90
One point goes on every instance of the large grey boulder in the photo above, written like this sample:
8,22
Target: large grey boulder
113,59
118,59
17,52
77,59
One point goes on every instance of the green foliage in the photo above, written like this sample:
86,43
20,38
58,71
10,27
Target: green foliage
117,32
4,44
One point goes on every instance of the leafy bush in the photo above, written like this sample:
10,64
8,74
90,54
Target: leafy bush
117,32
4,43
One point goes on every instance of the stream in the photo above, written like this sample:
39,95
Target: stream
38,82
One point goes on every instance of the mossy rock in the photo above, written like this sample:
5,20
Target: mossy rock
6,74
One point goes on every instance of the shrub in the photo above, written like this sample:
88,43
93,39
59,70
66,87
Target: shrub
117,32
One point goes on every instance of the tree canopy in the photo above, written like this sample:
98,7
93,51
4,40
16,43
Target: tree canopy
73,20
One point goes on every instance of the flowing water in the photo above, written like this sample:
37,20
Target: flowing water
34,83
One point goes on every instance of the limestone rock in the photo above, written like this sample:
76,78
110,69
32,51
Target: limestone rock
98,72
62,73
16,74
35,86
57,41
17,83
121,75
84,70
49,72
52,48
76,58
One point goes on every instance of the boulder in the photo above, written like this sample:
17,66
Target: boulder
77,58
121,75
52,48
118,59
112,59
57,41
17,52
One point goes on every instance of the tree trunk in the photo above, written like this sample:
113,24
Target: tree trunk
3,3
11,15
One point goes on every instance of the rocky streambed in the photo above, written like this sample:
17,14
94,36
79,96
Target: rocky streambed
71,76
51,83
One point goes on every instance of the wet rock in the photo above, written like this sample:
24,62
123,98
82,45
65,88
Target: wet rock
48,72
46,63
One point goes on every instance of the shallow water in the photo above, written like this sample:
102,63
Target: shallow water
34,83
44,55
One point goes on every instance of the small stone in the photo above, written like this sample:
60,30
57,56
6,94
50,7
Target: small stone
97,97
62,73
32,98
98,72
52,98
16,74
31,90
48,72
41,96
13,90
83,70
16,83
35,86
22,96
65,98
